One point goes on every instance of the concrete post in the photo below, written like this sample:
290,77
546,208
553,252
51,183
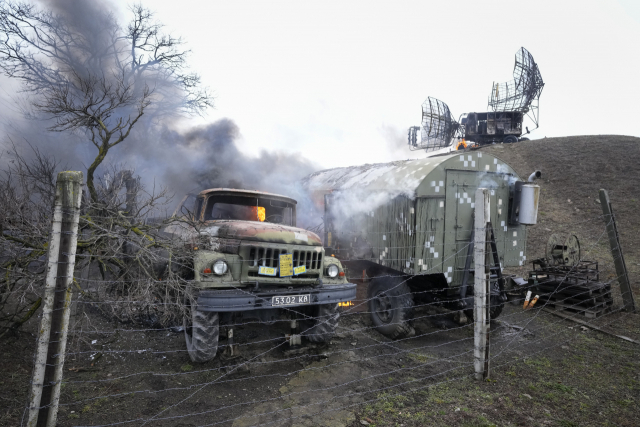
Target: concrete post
481,278
52,336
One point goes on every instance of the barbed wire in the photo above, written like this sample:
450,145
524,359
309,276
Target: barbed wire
224,408
408,350
505,345
503,317
300,406
378,398
399,351
309,318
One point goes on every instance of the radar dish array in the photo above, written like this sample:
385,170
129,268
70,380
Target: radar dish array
522,95
438,127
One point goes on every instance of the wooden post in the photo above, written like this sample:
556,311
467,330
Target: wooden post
52,336
488,260
481,279
616,252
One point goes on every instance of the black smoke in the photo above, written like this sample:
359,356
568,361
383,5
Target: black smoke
183,162
209,156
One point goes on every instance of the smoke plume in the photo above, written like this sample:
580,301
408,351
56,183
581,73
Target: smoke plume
209,156
184,162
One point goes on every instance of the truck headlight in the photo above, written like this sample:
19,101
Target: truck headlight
332,271
220,267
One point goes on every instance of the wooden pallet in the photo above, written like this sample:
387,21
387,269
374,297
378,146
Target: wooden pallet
588,312
591,302
573,289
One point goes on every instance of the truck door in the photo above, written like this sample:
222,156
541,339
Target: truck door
461,189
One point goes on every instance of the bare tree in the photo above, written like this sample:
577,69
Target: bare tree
93,77
121,258
26,197
97,78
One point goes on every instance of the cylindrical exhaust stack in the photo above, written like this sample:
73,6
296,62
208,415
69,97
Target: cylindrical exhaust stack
529,198
535,175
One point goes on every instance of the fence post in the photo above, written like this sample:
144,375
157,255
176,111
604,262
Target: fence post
616,252
52,336
480,287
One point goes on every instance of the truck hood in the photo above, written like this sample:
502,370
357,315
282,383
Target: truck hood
260,232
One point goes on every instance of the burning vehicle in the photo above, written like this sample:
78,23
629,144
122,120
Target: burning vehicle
407,226
251,261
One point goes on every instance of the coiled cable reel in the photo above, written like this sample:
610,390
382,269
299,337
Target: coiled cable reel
563,250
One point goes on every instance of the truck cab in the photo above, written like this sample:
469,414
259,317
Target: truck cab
492,127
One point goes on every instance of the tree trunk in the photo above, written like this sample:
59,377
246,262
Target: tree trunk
102,153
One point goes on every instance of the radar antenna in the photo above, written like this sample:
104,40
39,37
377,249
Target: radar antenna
438,127
523,93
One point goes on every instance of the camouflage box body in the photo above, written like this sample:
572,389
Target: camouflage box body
421,220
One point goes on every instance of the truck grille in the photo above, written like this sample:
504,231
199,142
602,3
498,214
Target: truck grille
256,256
269,258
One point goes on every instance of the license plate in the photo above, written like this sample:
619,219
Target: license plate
291,300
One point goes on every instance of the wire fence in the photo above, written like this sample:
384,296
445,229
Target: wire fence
126,373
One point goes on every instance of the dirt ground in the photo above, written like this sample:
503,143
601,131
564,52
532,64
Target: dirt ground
546,371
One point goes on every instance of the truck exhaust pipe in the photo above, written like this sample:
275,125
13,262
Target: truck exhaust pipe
535,175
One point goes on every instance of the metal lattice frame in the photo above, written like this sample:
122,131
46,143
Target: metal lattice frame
521,94
438,127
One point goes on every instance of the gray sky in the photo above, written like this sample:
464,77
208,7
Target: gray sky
341,81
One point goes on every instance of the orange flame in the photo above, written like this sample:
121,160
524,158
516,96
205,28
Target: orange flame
346,304
462,145
259,213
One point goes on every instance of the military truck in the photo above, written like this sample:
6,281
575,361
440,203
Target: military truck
251,261
490,127
407,227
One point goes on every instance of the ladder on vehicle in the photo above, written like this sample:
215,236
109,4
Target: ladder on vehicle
495,269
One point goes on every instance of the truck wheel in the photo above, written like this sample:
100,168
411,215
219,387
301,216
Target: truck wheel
201,330
391,306
325,325
510,139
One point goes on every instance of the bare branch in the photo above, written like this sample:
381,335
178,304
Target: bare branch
99,80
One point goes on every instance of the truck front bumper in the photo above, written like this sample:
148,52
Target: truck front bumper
228,300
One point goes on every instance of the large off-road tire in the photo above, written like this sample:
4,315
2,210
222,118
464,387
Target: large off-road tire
324,328
391,306
201,331
510,139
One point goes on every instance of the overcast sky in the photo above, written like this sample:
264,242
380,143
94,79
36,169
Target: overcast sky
341,81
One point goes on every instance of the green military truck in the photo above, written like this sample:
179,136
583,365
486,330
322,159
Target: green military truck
407,227
251,261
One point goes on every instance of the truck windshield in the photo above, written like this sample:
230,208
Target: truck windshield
249,209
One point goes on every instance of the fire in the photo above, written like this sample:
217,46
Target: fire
346,304
462,145
259,213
